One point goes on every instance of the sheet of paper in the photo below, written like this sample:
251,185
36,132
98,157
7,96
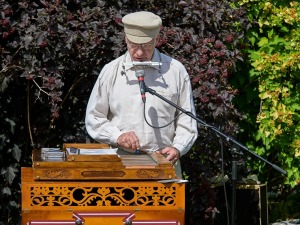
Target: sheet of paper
89,151
173,181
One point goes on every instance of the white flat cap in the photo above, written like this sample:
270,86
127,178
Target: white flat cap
141,27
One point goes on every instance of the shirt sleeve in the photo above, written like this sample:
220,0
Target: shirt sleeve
186,127
97,123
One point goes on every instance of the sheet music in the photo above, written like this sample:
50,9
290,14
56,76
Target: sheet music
91,151
52,153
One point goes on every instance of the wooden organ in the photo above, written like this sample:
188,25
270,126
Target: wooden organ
94,184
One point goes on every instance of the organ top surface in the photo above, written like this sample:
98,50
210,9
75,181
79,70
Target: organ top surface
77,161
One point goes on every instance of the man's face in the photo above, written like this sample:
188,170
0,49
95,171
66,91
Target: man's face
141,52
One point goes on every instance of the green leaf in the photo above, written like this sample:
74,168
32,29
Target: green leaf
277,40
16,152
4,84
295,107
13,204
284,29
254,55
270,33
252,40
2,141
12,125
263,41
289,161
6,191
10,174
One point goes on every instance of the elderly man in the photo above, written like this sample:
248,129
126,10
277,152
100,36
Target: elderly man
116,114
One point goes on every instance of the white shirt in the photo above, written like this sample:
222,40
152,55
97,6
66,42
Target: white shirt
115,105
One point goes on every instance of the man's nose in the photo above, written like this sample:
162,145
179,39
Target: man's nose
140,51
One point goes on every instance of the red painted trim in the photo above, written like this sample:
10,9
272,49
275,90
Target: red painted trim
81,215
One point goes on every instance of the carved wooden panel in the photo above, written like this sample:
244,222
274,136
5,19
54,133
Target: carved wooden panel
102,195
59,200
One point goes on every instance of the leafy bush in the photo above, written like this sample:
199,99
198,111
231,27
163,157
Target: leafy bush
270,97
274,57
52,52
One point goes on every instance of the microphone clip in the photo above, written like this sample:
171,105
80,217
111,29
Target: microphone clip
128,65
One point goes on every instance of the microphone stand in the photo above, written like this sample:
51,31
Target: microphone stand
236,146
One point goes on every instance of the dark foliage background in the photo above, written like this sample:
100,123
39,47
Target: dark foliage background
52,52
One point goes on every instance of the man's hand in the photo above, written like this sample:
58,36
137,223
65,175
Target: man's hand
129,141
171,153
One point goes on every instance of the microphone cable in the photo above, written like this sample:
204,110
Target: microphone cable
159,126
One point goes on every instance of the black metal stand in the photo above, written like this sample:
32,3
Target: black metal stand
235,143
234,152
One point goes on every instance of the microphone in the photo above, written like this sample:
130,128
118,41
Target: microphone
140,76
